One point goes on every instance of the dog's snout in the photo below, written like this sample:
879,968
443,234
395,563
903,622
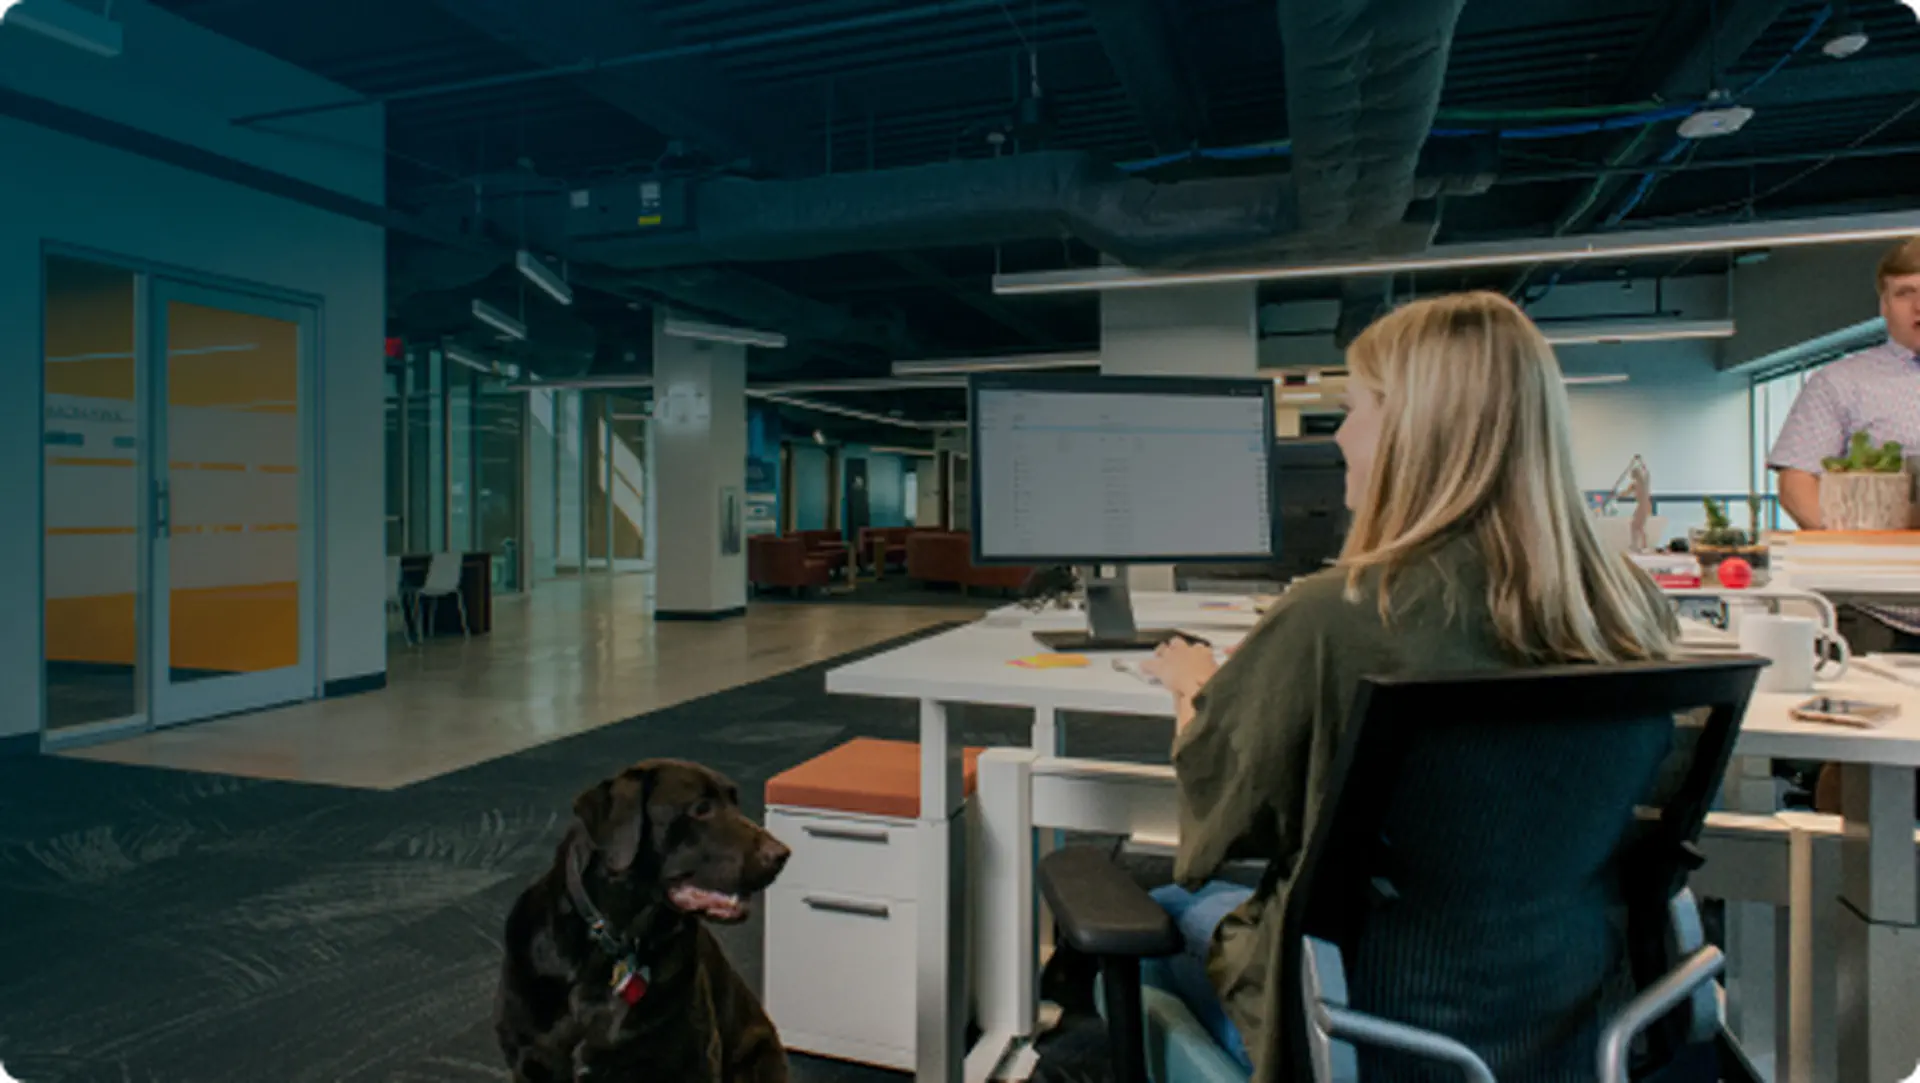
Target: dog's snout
774,853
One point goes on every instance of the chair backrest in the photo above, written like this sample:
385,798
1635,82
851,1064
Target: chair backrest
1481,839
443,574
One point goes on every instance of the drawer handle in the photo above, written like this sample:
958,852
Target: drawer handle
845,906
847,834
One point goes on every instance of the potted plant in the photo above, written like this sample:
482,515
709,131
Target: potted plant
1868,489
1720,539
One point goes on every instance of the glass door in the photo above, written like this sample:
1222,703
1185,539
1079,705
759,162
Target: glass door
232,529
93,561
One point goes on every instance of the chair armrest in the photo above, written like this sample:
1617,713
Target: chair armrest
1100,910
1655,1002
1359,1027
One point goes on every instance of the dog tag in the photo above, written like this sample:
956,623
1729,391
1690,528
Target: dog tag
629,981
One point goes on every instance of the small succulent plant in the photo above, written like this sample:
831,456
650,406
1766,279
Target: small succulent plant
1863,458
1720,532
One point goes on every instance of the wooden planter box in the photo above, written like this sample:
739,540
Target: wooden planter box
1866,501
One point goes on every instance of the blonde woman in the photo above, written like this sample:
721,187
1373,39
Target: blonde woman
1470,549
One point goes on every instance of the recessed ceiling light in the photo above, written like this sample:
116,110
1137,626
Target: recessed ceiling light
1848,38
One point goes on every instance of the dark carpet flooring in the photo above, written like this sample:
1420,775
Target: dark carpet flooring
167,927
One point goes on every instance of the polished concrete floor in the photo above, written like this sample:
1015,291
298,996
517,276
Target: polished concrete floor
574,655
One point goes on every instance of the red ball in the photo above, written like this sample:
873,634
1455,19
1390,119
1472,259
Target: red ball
1736,573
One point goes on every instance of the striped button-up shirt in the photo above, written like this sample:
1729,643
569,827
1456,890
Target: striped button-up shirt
1876,391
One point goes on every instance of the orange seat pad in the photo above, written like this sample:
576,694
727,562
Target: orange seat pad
866,776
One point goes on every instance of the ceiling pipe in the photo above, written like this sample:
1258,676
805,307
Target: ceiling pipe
803,31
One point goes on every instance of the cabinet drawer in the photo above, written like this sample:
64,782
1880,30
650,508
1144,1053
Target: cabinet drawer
840,975
857,855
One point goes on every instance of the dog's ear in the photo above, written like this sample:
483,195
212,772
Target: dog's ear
614,814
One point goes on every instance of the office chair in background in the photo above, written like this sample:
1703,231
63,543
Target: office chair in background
1478,840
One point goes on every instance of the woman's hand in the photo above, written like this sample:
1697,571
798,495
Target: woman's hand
1181,667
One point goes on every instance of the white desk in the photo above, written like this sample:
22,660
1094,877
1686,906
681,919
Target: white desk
1879,941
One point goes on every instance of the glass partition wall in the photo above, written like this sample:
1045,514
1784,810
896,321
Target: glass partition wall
553,483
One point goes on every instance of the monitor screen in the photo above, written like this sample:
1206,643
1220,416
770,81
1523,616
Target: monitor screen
1120,470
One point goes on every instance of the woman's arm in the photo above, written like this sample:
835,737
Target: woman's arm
1243,752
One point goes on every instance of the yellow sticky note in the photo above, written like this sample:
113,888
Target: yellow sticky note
1051,661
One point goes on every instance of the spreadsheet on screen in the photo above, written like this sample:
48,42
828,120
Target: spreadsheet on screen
1122,476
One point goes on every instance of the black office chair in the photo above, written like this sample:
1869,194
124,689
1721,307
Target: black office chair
1483,845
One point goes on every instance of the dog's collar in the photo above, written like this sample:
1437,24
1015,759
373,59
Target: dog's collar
597,926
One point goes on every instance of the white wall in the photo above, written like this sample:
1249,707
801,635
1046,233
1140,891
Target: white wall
1688,420
177,80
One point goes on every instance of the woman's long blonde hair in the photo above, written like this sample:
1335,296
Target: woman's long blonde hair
1474,440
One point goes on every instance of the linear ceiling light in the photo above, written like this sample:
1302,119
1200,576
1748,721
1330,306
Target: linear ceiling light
543,276
842,411
1010,363
924,451
1586,332
677,327
1793,233
1600,378
459,355
66,23
585,383
498,320
857,384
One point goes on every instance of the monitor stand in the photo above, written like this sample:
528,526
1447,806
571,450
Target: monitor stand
1109,620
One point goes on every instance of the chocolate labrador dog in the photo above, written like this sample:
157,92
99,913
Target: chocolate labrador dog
610,972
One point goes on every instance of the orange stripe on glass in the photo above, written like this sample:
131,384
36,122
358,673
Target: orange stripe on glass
89,460
87,531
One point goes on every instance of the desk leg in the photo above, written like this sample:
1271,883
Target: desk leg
1756,938
1049,739
941,989
1879,939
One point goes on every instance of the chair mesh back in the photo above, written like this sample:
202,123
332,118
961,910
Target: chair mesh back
1481,845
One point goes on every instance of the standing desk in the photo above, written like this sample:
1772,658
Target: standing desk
1879,937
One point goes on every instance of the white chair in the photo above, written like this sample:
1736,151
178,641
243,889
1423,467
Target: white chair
443,580
397,598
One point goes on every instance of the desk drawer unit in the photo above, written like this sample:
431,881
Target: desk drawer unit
841,932
842,852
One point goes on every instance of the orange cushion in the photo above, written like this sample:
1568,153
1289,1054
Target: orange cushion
867,776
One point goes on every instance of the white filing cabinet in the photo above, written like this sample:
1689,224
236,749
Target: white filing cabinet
840,934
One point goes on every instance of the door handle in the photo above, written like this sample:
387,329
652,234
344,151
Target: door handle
162,510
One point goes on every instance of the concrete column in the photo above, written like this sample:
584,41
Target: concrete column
700,449
1178,331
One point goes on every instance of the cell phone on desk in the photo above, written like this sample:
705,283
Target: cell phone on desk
1856,713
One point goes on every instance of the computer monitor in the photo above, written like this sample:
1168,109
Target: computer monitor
1103,470
1310,504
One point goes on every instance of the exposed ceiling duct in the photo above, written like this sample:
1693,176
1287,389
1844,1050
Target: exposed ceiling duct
1363,83
1364,80
956,204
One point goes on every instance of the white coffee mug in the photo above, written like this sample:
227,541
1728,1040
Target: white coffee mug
1800,650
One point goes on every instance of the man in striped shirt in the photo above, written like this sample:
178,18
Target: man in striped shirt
1876,391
